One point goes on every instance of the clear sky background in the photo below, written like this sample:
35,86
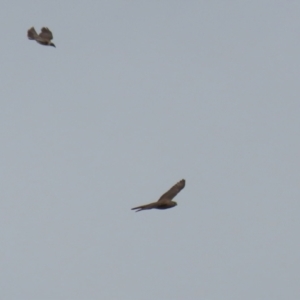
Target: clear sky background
136,96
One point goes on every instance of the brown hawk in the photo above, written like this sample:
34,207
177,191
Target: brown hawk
165,201
44,38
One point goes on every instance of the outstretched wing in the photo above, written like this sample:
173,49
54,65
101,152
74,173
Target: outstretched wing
173,191
46,34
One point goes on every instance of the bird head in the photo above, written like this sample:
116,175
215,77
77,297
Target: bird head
174,203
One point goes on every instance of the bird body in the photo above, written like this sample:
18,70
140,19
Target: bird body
44,38
165,201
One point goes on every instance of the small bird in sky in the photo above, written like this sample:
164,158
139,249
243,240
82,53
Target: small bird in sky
165,201
44,38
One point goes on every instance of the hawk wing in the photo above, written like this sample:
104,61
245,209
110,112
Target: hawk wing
46,34
173,191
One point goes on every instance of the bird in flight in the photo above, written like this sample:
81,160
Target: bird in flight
44,38
165,201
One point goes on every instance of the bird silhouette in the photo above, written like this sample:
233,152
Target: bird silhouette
44,38
165,201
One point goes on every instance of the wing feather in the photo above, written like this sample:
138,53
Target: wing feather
173,191
46,34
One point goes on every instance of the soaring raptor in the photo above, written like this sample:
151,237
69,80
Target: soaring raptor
165,201
44,38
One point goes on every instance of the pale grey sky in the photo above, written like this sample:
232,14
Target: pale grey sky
136,96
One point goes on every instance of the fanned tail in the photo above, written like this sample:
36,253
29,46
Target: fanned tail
31,33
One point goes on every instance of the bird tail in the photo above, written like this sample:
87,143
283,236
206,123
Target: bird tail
31,33
143,207
139,208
